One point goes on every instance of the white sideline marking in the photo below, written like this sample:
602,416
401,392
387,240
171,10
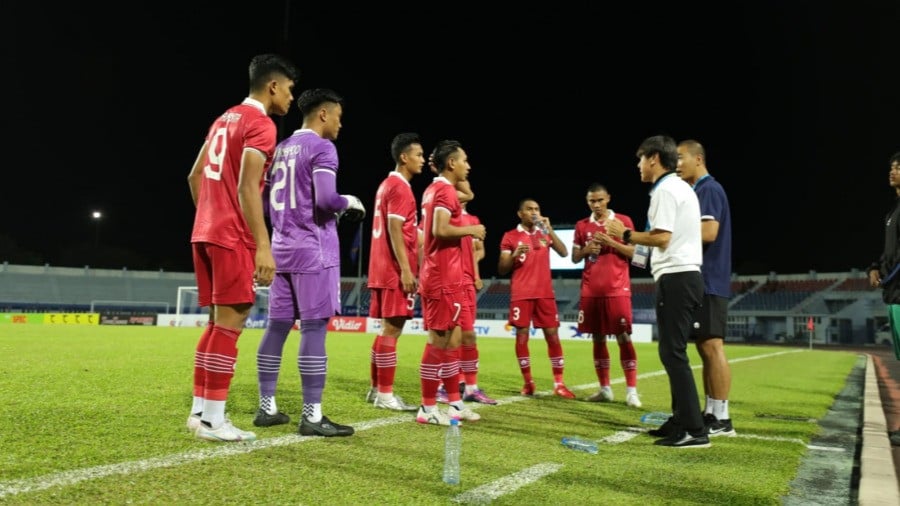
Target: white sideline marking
623,435
826,448
66,478
632,432
660,372
75,476
506,485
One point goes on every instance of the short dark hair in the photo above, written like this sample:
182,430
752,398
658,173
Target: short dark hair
265,67
443,150
310,100
694,147
895,158
402,142
664,146
597,187
523,201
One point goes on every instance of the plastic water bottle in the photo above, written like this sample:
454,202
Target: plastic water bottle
452,449
580,444
593,257
539,223
655,418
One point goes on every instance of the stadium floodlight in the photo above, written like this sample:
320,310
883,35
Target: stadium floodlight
96,215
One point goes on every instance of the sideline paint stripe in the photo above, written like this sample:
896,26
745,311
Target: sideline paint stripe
662,372
632,432
506,485
67,478
623,436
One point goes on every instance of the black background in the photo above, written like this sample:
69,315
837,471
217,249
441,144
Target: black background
796,105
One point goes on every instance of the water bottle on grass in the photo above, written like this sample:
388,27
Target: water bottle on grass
452,449
580,444
655,418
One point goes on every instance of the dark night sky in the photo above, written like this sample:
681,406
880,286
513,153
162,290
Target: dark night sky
796,105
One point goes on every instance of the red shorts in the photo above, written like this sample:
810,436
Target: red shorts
224,276
391,303
446,312
542,313
605,316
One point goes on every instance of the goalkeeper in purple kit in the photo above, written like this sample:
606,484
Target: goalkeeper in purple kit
304,209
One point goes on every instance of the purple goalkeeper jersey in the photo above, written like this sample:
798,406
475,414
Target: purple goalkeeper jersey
304,237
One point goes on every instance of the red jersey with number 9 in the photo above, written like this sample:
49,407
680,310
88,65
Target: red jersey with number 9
219,218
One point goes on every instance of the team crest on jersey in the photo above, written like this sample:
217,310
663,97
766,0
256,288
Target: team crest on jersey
543,242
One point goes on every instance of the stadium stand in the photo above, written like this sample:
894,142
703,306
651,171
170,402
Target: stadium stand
739,287
782,295
496,296
763,308
45,288
364,297
853,285
643,294
348,293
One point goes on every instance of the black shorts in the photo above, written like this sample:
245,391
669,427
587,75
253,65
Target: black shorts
711,319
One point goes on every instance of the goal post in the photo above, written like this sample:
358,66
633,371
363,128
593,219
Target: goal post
188,310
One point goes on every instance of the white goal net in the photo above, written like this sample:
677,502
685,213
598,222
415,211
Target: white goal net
188,312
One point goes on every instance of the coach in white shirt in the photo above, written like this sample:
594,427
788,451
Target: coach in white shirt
673,243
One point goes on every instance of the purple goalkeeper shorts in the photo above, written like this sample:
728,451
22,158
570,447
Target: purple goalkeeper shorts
302,296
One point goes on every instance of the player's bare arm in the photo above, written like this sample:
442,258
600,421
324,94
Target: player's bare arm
444,230
395,234
196,174
508,258
655,238
558,246
709,230
252,167
605,240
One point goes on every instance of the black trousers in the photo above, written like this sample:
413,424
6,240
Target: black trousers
678,296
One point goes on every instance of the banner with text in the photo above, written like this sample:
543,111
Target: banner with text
22,318
127,318
641,332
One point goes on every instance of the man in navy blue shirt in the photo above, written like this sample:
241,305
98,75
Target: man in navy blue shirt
711,320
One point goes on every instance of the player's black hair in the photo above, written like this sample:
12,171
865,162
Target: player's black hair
402,142
310,100
597,187
265,67
443,150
